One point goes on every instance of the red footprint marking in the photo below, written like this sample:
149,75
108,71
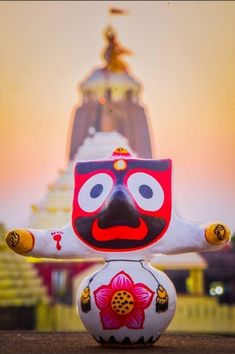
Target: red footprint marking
57,238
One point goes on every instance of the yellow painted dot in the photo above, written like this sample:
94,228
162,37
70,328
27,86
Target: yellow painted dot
119,165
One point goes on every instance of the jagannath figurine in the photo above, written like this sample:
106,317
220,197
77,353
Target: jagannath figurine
122,212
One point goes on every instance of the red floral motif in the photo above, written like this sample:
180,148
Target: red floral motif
122,302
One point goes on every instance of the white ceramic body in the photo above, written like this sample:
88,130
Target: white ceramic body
143,276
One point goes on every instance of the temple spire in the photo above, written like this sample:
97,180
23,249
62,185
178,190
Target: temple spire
110,102
114,51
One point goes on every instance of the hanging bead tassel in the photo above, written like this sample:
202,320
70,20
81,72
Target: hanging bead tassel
86,300
162,299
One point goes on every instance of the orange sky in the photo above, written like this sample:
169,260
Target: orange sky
184,56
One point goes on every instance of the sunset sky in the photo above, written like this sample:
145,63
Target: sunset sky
184,55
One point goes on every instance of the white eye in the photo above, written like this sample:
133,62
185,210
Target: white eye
146,190
94,192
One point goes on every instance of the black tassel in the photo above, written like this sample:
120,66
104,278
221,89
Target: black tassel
162,299
86,300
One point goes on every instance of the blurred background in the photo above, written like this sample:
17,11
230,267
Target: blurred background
77,80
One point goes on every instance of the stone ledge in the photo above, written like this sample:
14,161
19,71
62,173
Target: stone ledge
31,342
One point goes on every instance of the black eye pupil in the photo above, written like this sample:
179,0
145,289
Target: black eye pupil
96,191
146,191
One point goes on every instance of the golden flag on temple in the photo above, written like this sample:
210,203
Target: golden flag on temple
117,11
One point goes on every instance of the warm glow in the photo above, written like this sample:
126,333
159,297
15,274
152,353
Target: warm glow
102,100
184,56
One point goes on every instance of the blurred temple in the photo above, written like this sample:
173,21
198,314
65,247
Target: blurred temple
110,101
55,207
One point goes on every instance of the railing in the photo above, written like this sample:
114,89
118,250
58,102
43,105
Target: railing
203,314
197,314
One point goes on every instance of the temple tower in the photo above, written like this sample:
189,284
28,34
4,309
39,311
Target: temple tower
110,101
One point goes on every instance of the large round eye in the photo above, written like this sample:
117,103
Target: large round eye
94,192
146,190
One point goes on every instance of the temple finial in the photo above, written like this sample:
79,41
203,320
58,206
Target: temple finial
114,51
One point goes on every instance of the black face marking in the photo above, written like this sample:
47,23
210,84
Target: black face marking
119,212
83,226
154,165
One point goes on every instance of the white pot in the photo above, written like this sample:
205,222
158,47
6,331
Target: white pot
126,303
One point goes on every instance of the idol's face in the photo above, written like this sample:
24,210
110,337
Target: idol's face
121,204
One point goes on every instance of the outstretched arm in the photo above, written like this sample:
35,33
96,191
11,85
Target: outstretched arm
184,237
51,243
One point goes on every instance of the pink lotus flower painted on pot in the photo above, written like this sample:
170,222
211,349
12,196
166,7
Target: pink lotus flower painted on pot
122,303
